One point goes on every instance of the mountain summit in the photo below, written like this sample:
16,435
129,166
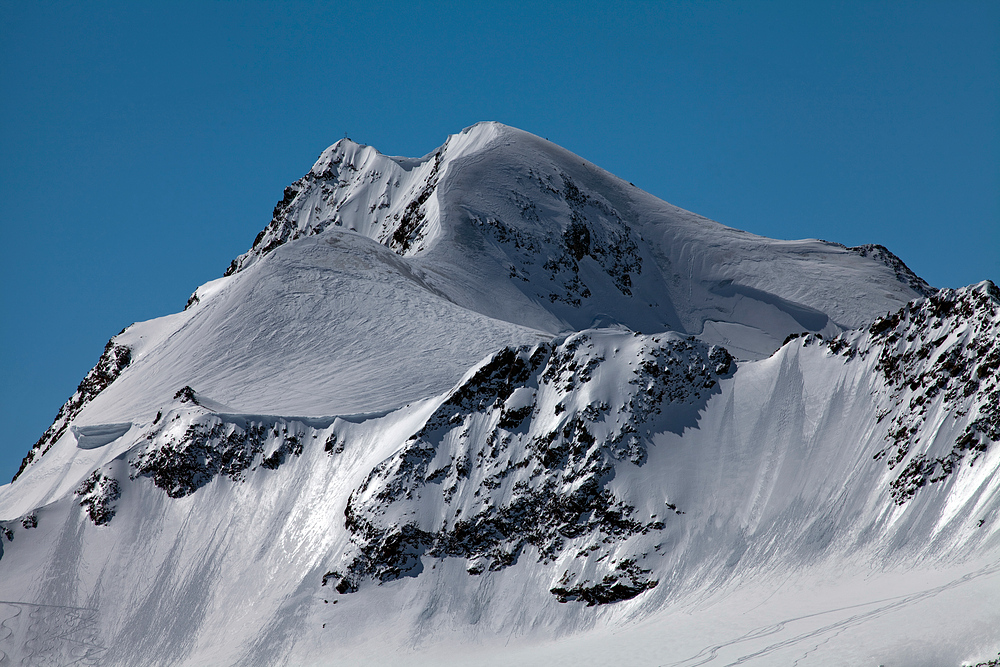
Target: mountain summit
497,392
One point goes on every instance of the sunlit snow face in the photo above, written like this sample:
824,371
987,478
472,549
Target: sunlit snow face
497,392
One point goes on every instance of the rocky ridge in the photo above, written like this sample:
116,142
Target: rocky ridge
937,358
190,445
113,361
633,472
518,459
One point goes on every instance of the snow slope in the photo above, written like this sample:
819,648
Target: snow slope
496,401
510,225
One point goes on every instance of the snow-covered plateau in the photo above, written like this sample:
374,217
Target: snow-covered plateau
497,406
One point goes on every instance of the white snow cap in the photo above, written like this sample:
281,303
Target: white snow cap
494,405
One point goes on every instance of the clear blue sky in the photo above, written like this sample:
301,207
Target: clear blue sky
143,145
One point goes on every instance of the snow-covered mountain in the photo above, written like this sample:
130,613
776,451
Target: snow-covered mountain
496,404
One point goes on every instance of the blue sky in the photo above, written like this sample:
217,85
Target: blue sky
144,145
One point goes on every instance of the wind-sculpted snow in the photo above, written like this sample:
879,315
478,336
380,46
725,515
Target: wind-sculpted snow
563,244
520,455
537,427
357,188
500,228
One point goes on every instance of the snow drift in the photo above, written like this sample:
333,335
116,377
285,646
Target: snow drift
496,397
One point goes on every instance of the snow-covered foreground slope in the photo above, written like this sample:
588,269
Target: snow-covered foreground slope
495,405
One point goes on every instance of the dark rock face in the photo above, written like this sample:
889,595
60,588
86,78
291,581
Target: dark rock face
283,228
280,230
936,354
624,583
519,458
99,494
994,662
595,230
186,395
113,361
409,230
212,446
324,192
180,467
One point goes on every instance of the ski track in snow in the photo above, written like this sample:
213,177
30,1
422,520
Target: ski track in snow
378,292
55,635
709,654
8,632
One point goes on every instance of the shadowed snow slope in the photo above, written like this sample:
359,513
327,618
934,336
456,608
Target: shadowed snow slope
497,400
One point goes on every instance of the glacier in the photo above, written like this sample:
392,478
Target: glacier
497,405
